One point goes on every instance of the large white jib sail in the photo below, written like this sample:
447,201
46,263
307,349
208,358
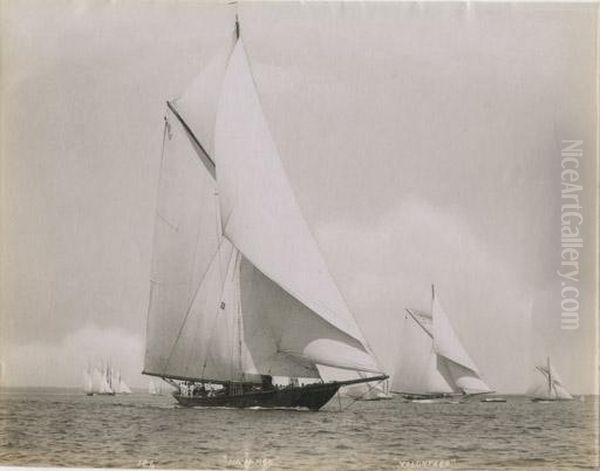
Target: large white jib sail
238,286
433,360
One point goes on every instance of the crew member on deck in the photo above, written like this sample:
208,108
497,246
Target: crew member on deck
267,382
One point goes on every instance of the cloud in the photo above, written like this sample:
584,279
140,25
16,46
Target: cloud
389,265
41,364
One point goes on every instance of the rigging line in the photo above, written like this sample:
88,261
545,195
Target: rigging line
231,329
236,299
219,233
166,221
160,171
419,323
214,325
297,358
219,229
191,353
189,282
210,337
208,162
371,387
238,307
189,308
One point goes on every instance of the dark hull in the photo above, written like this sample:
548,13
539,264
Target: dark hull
427,397
311,396
541,399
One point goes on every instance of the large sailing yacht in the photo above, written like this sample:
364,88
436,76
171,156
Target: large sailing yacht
239,293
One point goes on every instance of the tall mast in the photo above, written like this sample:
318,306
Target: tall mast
549,376
239,314
419,323
237,27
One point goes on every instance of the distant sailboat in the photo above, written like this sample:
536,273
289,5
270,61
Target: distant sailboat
100,382
548,386
154,389
433,363
120,386
103,381
88,385
239,290
491,400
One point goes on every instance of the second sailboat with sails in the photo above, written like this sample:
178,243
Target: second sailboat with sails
433,363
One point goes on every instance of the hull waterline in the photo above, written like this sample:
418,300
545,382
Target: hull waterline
310,396
545,400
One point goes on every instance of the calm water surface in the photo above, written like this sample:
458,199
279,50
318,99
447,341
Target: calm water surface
66,428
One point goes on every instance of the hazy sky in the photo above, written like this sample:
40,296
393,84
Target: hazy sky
422,141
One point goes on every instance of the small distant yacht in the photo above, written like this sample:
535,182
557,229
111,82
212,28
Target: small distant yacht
548,386
493,399
104,381
155,389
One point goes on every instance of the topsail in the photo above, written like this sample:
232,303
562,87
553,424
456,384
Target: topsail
239,288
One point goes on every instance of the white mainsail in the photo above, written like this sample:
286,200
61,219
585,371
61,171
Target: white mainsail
99,383
259,211
419,371
459,365
104,379
547,385
433,361
120,385
188,250
238,286
124,388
